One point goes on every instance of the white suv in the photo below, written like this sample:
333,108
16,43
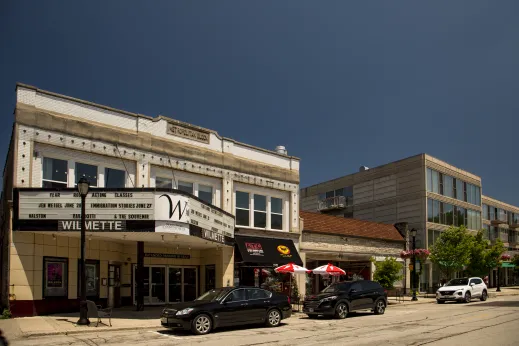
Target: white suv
464,290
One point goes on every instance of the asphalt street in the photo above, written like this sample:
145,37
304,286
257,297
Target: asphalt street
493,322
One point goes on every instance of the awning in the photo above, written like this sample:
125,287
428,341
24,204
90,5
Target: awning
271,251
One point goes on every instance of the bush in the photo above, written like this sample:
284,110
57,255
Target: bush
387,272
6,314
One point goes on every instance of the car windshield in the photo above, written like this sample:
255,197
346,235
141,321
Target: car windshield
213,295
330,289
458,282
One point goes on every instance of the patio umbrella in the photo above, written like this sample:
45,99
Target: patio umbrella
291,268
329,269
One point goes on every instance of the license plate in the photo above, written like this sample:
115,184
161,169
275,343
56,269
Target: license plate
164,320
310,310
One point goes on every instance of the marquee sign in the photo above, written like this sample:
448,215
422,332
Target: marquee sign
121,210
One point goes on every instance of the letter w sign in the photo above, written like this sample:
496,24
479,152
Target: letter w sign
169,207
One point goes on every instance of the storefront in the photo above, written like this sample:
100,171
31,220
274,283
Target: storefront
256,258
183,245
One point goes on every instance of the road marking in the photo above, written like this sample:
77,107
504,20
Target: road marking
165,335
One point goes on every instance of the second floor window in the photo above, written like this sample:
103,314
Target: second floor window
163,183
185,186
54,173
276,213
115,178
242,208
205,193
89,172
260,211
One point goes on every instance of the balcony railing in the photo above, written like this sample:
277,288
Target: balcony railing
337,202
499,221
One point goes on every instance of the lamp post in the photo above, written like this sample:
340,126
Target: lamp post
498,285
413,283
82,187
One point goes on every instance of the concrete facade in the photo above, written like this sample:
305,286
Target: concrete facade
399,192
53,126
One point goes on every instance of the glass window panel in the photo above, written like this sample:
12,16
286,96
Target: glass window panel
185,186
260,219
330,194
473,191
242,217
478,195
276,205
115,178
55,277
54,169
321,196
242,200
448,188
459,190
348,191
86,171
478,220
429,179
430,214
163,183
435,182
205,193
276,221
339,192
436,211
461,216
260,203
448,210
485,211
491,213
430,236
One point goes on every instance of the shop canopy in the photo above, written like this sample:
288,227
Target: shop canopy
272,251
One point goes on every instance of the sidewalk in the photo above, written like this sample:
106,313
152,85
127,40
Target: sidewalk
123,319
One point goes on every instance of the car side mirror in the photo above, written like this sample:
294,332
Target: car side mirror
472,284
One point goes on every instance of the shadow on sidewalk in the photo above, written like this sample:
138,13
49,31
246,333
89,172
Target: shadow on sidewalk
505,304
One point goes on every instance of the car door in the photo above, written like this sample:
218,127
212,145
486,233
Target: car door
235,309
479,286
474,289
371,291
356,296
259,302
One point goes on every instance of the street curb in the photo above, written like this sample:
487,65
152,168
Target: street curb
69,332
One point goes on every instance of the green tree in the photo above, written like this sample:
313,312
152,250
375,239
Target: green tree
515,261
452,250
493,254
387,272
483,256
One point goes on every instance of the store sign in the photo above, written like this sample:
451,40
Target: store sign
113,210
254,249
188,133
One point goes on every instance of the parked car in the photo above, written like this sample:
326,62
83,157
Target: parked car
462,290
339,299
229,306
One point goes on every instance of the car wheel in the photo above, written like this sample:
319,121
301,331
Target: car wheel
201,324
468,298
341,311
484,296
380,307
273,318
440,301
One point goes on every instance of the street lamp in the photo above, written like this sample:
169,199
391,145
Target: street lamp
413,283
82,187
498,285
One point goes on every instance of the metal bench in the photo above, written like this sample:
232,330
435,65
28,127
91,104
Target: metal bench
97,311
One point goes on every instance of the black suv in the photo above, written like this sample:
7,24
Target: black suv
340,298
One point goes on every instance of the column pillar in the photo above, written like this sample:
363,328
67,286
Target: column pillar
139,294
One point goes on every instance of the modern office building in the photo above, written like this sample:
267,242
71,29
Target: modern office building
170,207
427,193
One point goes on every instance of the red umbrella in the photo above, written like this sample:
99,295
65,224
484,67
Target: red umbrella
329,269
291,268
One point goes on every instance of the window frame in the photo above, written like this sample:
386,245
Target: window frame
240,208
266,211
50,180
125,179
65,276
274,213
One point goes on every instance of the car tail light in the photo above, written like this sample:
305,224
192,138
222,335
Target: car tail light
288,299
385,291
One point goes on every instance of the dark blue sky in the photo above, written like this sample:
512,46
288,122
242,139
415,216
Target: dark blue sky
339,83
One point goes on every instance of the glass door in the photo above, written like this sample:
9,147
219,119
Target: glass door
190,284
158,285
175,284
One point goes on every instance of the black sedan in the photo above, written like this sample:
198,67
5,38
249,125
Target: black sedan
229,306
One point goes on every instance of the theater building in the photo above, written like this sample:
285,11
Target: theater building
172,208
